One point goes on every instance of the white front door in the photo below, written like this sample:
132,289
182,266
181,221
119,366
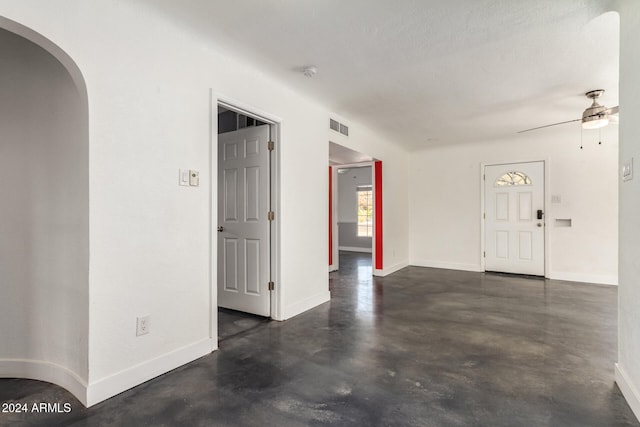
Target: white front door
243,224
514,212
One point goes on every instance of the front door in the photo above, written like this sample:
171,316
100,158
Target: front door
514,212
243,223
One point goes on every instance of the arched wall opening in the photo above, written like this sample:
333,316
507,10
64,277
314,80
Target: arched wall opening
44,220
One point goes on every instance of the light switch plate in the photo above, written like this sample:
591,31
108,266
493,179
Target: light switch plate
627,170
184,177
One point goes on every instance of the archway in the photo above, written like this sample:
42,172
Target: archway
44,221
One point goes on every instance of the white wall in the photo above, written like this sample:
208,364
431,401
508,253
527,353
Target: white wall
628,367
445,207
44,248
148,83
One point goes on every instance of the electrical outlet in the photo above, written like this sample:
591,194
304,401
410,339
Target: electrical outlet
143,325
627,170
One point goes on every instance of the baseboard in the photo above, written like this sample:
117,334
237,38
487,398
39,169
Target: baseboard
628,389
600,279
126,379
389,270
306,304
446,265
354,249
45,371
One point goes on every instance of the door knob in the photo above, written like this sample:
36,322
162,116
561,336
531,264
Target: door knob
539,225
220,229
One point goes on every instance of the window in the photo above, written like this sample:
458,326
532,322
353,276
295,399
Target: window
513,178
365,211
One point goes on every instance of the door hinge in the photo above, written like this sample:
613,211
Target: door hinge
484,254
484,215
272,286
271,145
271,215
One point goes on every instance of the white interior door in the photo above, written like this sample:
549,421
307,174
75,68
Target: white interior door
243,224
514,224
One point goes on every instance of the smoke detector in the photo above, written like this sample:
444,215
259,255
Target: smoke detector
310,71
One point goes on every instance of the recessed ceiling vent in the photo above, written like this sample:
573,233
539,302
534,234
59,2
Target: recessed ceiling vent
339,127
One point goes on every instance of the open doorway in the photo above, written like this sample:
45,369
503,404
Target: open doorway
354,197
355,209
246,220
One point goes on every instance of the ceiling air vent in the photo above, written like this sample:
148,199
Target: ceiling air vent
338,127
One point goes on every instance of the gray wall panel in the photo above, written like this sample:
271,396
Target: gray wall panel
348,236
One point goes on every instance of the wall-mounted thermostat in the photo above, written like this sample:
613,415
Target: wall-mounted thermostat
627,170
194,178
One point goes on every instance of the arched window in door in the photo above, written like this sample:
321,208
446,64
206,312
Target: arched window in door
513,178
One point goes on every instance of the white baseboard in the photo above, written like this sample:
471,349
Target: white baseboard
355,249
45,371
446,265
124,380
306,304
389,270
600,279
628,389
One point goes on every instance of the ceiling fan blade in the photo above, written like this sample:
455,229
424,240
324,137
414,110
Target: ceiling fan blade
613,110
546,126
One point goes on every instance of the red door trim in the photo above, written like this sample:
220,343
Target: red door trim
378,213
330,215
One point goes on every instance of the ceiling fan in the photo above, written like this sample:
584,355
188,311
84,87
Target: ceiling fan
594,117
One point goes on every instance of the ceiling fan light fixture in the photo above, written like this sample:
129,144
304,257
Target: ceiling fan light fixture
596,116
595,122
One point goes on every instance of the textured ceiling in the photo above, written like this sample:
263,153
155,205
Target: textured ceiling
424,72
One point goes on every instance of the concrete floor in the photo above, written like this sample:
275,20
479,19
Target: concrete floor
421,347
232,324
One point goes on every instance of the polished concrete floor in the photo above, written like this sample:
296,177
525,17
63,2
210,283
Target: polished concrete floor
233,324
421,347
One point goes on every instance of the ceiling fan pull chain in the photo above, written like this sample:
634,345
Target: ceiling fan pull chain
581,137
599,136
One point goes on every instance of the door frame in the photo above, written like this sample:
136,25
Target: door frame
334,262
275,125
547,208
334,225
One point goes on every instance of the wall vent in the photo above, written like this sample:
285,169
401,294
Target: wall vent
338,127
